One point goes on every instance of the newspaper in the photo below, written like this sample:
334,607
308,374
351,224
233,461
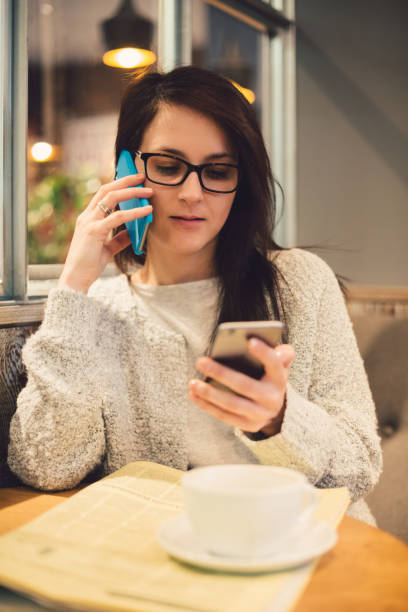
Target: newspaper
97,551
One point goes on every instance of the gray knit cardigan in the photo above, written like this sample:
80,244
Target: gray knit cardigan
105,387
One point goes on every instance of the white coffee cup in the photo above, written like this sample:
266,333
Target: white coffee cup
246,510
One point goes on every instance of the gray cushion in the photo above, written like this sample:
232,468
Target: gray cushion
383,341
12,380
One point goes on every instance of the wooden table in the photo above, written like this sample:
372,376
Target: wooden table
367,570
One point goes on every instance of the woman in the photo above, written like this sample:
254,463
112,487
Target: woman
112,372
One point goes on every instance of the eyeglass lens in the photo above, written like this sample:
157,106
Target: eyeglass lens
170,171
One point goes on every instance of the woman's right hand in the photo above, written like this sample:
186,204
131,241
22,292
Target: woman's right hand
90,248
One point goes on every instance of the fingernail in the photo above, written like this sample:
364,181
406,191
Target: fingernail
254,343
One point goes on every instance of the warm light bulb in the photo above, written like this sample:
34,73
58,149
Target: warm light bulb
247,93
41,151
129,57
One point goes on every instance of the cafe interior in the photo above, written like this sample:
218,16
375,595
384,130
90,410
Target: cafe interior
328,83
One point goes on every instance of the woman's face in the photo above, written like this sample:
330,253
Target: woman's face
186,218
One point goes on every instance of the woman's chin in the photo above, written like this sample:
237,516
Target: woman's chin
191,249
188,245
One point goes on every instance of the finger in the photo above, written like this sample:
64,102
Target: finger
123,216
286,352
130,179
118,243
236,381
272,362
229,401
113,198
127,181
226,417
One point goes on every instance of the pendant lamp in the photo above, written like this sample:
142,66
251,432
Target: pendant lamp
234,67
128,39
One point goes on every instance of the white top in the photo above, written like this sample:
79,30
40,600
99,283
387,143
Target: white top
189,309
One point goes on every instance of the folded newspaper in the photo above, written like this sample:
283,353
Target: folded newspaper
98,551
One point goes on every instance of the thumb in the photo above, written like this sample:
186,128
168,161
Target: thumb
286,353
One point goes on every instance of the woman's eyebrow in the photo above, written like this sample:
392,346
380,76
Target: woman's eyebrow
210,157
220,155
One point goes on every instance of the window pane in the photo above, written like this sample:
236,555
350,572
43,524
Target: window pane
228,46
73,106
3,59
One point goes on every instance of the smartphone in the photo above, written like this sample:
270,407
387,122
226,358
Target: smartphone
137,228
230,346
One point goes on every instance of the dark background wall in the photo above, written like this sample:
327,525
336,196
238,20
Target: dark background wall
352,132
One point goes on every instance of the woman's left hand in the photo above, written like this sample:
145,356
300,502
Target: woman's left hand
256,405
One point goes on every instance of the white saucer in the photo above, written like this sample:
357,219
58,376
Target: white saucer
176,536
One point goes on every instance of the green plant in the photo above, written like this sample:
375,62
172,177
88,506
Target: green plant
53,206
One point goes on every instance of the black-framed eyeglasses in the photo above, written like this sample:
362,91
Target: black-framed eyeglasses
170,170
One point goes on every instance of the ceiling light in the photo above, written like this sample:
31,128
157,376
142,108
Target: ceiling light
247,93
128,38
41,151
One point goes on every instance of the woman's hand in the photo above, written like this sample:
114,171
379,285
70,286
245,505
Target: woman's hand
90,248
260,404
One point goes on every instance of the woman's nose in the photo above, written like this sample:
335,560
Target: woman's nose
191,189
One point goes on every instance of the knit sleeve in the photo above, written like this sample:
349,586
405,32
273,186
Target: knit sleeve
57,432
329,430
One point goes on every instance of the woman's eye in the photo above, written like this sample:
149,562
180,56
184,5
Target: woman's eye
217,173
168,169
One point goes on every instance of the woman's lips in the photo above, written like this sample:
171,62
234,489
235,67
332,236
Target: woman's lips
187,221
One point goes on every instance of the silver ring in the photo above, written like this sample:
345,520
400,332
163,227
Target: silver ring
107,211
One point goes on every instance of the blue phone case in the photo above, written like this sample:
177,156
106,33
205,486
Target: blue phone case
137,228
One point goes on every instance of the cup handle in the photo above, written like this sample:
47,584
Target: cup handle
311,494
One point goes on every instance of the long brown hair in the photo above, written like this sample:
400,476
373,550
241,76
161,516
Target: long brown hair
248,278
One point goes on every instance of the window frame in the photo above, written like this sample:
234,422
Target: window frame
14,142
24,284
282,130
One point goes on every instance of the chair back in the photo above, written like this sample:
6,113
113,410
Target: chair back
12,380
381,327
